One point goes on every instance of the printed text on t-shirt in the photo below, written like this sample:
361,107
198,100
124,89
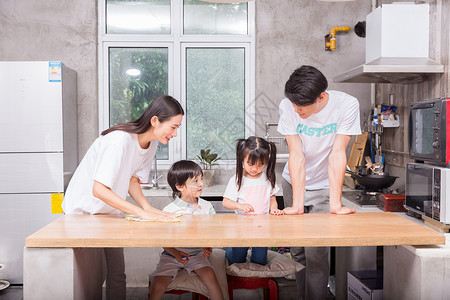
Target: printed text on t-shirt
327,129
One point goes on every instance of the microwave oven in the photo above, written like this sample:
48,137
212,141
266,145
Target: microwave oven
427,191
429,130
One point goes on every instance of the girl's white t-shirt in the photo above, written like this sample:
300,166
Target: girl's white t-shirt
111,160
318,132
254,191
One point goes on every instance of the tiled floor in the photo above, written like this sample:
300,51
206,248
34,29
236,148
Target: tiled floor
287,290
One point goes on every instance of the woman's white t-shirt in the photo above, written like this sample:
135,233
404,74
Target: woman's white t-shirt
318,132
253,191
111,160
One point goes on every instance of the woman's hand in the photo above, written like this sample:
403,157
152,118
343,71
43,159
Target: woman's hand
160,212
247,208
276,212
156,216
207,252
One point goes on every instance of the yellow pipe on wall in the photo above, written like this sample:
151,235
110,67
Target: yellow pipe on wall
332,44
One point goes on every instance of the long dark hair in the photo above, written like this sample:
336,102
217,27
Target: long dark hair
258,150
164,107
180,172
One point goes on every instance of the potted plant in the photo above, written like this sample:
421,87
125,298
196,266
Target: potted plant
207,160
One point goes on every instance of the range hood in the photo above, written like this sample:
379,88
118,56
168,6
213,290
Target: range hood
402,70
397,46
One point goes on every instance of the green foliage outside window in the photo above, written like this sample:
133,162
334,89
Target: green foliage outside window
131,95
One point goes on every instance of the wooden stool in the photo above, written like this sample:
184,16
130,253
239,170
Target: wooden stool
195,296
253,283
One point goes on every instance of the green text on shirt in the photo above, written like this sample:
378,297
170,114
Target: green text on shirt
327,129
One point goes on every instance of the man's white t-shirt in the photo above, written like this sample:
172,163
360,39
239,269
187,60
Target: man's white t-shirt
254,191
318,132
111,160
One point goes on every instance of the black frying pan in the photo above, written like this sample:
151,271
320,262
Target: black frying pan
372,181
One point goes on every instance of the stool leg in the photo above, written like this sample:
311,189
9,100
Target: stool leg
202,297
149,285
273,287
230,289
266,294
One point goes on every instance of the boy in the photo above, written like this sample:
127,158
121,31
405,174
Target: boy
186,180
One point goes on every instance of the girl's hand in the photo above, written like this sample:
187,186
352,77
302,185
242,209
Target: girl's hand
207,252
246,208
277,212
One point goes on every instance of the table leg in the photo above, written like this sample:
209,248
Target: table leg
62,273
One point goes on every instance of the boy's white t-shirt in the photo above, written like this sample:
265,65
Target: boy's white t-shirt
180,206
111,160
254,191
318,132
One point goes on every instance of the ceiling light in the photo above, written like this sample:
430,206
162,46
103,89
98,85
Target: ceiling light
133,72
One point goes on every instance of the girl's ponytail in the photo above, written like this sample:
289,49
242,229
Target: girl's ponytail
270,171
240,152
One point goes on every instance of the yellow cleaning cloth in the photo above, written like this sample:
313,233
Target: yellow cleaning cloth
137,219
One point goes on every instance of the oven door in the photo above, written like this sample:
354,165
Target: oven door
419,188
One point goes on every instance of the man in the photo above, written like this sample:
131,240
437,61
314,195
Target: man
318,125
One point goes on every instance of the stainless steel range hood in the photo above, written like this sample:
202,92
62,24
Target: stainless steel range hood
402,70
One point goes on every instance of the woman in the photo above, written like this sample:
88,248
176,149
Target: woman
113,166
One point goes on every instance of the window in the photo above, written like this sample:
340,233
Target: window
198,52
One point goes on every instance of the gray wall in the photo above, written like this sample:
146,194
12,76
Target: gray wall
289,33
57,30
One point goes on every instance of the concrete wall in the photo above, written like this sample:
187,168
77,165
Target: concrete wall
290,33
57,30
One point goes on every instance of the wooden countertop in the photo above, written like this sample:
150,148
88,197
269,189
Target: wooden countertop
220,230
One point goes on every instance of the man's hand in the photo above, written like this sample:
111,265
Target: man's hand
342,210
293,211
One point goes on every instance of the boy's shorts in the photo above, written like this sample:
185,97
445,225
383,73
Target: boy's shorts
169,266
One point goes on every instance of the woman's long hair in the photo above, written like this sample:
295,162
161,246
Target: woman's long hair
164,107
258,150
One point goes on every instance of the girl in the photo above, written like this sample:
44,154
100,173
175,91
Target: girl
113,166
185,178
251,190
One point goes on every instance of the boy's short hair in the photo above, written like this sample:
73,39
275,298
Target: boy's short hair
305,85
180,172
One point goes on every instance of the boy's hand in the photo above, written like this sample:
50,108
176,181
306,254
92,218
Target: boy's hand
246,208
277,212
182,257
207,252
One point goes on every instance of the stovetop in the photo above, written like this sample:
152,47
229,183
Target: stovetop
362,198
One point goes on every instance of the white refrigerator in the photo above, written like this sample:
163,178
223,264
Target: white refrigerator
38,152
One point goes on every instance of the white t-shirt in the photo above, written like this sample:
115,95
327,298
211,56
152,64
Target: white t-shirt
180,206
254,191
111,160
317,132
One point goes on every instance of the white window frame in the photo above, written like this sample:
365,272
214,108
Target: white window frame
177,43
